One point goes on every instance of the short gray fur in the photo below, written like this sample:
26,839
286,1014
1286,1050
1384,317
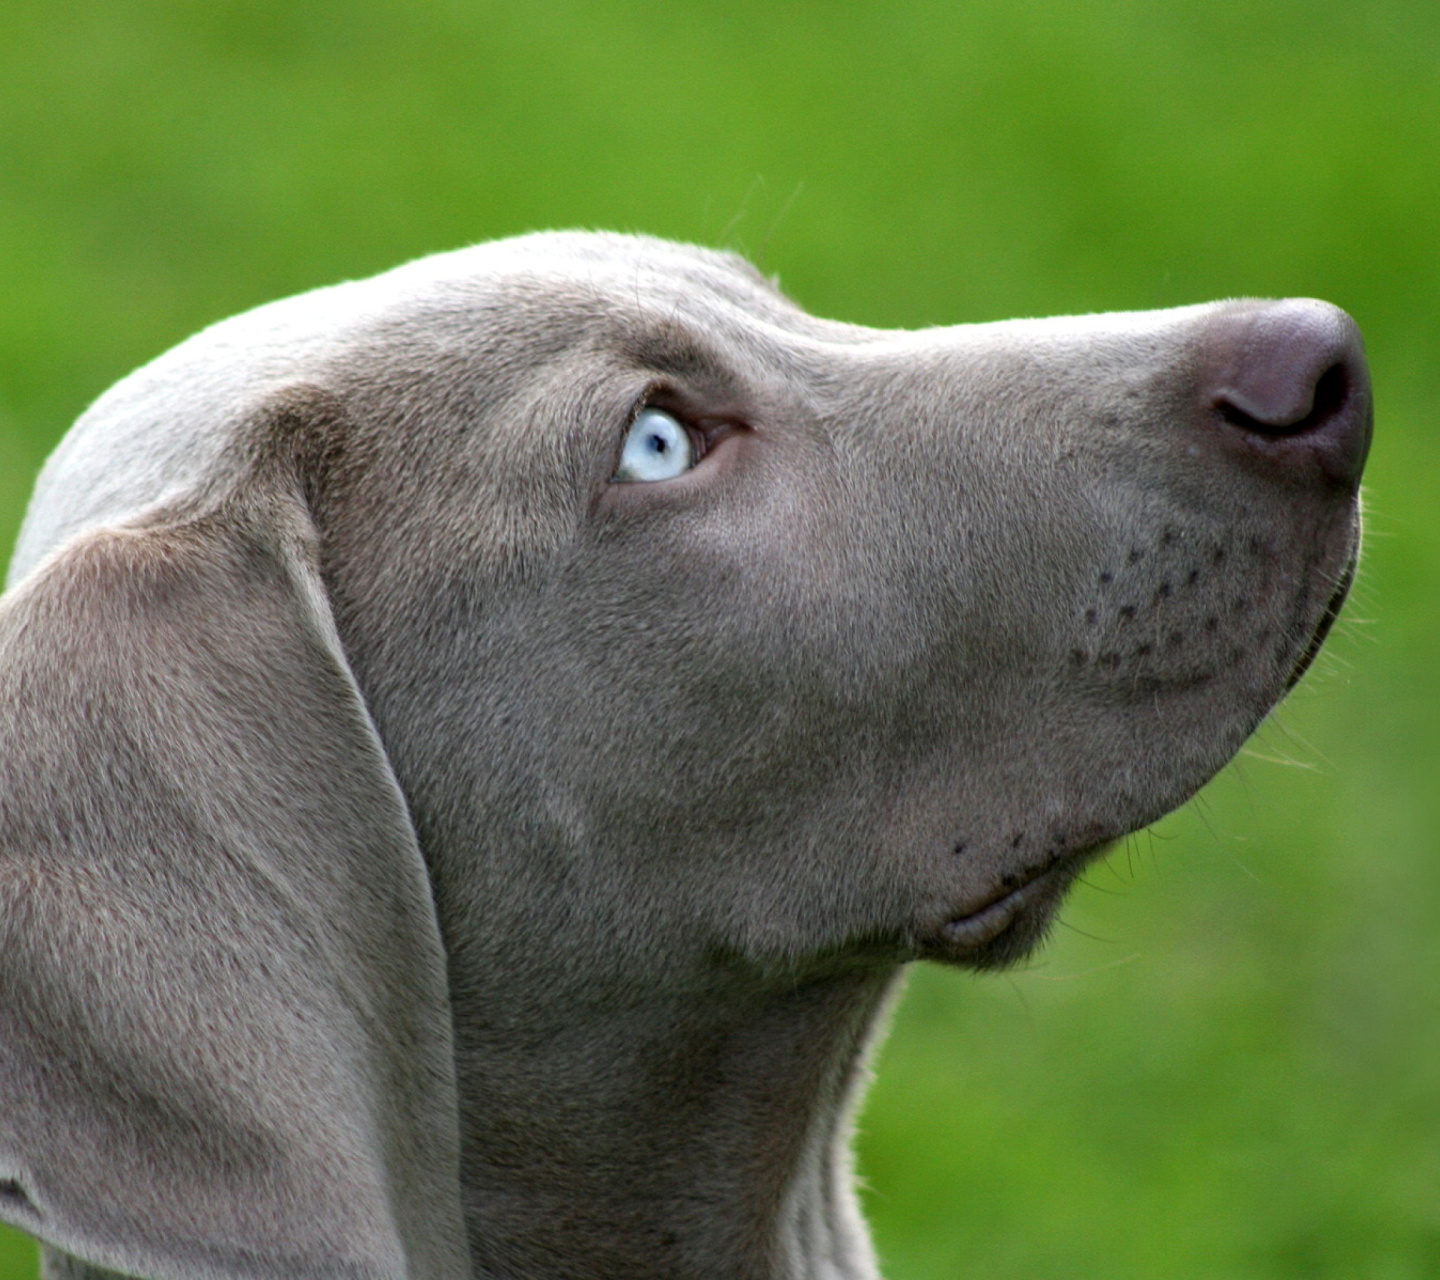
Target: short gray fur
421,857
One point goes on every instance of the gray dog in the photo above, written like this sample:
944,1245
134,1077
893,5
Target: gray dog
478,745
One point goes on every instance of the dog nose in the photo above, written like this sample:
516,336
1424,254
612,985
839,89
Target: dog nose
1289,379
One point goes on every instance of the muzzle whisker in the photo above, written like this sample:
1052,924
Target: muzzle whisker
1092,971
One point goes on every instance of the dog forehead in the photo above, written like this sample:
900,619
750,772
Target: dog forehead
165,429
613,259
576,276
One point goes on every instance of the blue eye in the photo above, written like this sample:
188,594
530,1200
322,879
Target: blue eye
656,448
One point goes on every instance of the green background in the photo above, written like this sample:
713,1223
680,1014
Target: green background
1227,1063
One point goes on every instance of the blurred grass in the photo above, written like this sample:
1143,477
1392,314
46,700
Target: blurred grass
1227,1064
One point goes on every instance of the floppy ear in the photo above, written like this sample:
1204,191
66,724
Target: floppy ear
224,1022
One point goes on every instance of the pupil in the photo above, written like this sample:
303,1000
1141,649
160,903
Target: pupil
658,444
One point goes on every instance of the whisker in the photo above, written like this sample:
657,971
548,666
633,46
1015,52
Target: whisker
1094,969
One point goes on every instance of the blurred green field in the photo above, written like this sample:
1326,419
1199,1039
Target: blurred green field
1226,1064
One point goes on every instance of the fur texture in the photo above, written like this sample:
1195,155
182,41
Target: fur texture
424,856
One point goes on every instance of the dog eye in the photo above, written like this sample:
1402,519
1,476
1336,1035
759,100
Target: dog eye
657,447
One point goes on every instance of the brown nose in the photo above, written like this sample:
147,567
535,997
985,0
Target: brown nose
1289,380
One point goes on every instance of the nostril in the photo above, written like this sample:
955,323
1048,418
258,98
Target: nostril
1328,398
1332,393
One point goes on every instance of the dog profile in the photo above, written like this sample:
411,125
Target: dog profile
478,746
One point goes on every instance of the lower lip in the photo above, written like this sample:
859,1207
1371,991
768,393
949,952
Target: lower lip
990,922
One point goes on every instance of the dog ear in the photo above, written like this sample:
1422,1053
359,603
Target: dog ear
225,1041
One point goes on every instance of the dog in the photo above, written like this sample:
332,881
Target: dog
481,744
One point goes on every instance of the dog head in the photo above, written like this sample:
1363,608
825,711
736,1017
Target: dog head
691,641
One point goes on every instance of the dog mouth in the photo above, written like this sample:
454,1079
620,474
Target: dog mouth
1327,620
988,922
1006,927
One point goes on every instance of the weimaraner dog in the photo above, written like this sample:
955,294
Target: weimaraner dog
480,745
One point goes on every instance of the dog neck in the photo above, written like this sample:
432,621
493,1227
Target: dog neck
700,1131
